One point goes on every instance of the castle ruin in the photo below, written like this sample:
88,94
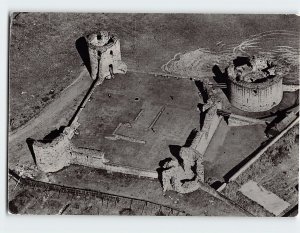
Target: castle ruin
105,56
105,61
254,84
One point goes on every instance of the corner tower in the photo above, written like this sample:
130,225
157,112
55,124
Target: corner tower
255,84
105,56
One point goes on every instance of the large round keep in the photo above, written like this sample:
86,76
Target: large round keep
254,83
255,97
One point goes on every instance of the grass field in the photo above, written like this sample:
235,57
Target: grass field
43,59
276,170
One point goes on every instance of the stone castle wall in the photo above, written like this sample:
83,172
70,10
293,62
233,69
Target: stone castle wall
105,60
254,97
211,123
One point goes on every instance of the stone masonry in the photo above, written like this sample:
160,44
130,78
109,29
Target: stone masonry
254,84
105,55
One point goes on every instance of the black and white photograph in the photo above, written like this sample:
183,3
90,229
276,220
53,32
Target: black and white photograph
155,114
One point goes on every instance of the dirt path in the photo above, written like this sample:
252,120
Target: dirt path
56,114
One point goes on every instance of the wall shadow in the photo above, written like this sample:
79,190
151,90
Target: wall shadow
235,169
190,138
280,115
240,61
162,168
82,48
215,185
204,95
202,90
292,212
53,134
202,118
30,142
175,151
220,77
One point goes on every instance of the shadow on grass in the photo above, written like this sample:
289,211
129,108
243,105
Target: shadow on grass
82,48
30,142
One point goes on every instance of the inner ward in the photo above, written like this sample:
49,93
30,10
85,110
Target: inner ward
137,119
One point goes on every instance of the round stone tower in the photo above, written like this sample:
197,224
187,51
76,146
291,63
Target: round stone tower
105,55
254,84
